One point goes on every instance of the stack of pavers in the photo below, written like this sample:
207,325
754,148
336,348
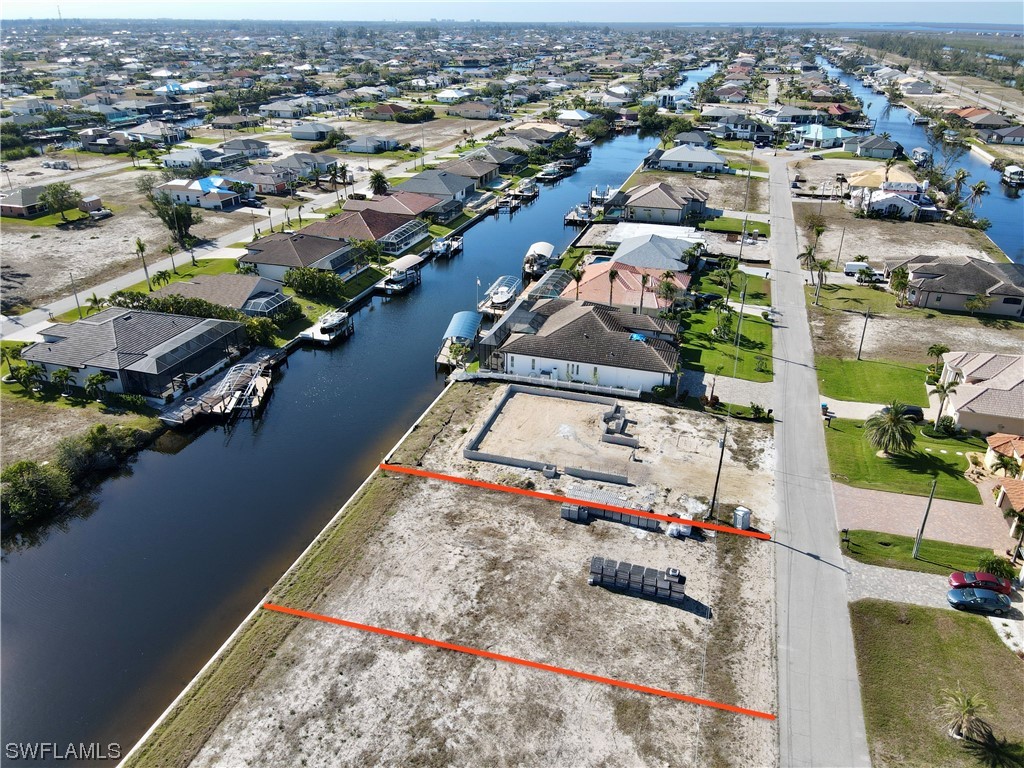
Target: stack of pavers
579,513
632,579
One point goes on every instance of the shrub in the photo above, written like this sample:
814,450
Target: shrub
997,566
947,425
31,490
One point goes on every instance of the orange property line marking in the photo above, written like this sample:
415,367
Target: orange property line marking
569,500
515,660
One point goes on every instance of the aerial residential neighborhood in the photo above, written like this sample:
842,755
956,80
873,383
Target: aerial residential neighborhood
499,390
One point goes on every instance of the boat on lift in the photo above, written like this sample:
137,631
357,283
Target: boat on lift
538,258
500,296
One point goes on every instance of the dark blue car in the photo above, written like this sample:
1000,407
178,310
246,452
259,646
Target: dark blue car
983,600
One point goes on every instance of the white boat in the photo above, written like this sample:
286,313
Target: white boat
500,295
330,327
440,247
550,172
1013,175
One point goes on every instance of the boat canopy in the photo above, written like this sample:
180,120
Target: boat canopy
541,248
509,283
464,325
404,264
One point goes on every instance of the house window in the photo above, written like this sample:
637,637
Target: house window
533,363
511,361
938,299
1012,300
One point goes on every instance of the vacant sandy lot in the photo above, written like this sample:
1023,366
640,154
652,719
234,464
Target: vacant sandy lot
878,239
506,574
37,260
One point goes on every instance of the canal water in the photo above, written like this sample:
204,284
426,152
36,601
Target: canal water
1003,206
106,618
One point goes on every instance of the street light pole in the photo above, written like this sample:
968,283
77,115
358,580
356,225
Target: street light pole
864,330
924,520
840,252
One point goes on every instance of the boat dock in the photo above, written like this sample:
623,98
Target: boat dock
403,275
500,296
459,338
329,328
240,392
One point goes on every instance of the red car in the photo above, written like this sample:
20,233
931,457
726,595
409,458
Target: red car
972,580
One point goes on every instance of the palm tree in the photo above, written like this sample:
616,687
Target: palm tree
133,154
937,351
943,391
62,377
959,178
899,282
96,385
821,266
140,251
577,276
1009,465
10,355
170,249
978,191
644,279
977,302
888,166
315,174
806,257
300,215
287,216
612,275
964,712
94,304
343,174
332,177
890,430
163,277
28,376
379,183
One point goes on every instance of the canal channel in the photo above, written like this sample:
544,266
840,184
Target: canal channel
110,615
1003,206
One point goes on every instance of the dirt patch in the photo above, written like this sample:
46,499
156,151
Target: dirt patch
38,260
837,334
507,574
878,239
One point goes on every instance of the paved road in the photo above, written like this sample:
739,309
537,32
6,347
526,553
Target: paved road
821,721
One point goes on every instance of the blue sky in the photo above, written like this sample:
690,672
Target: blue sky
725,11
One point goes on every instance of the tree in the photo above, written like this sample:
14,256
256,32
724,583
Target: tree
644,279
807,260
1009,465
943,391
977,303
140,251
890,430
899,282
170,249
315,174
888,166
63,377
937,351
342,170
96,385
28,376
179,218
379,183
978,191
612,276
133,155
31,489
367,251
997,566
163,277
577,277
963,712
11,354
958,180
59,197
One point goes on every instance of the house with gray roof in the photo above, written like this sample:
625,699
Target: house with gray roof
661,203
654,252
873,146
691,159
23,203
591,343
250,294
443,185
248,148
273,255
948,282
989,394
507,162
141,352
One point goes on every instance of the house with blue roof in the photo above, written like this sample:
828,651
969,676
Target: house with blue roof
820,136
213,193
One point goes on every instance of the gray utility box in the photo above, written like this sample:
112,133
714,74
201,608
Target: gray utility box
741,518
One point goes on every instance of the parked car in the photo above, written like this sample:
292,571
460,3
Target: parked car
795,185
912,412
706,299
253,203
980,580
982,600
100,213
794,147
874,276
817,157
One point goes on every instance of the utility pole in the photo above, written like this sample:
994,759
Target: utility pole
840,252
746,196
718,474
924,520
75,291
867,314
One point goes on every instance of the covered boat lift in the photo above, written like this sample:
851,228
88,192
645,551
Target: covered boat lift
463,329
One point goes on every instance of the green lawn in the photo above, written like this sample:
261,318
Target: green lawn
739,144
872,381
443,230
700,351
891,551
729,224
50,220
853,461
205,140
758,289
185,272
572,257
742,163
906,656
